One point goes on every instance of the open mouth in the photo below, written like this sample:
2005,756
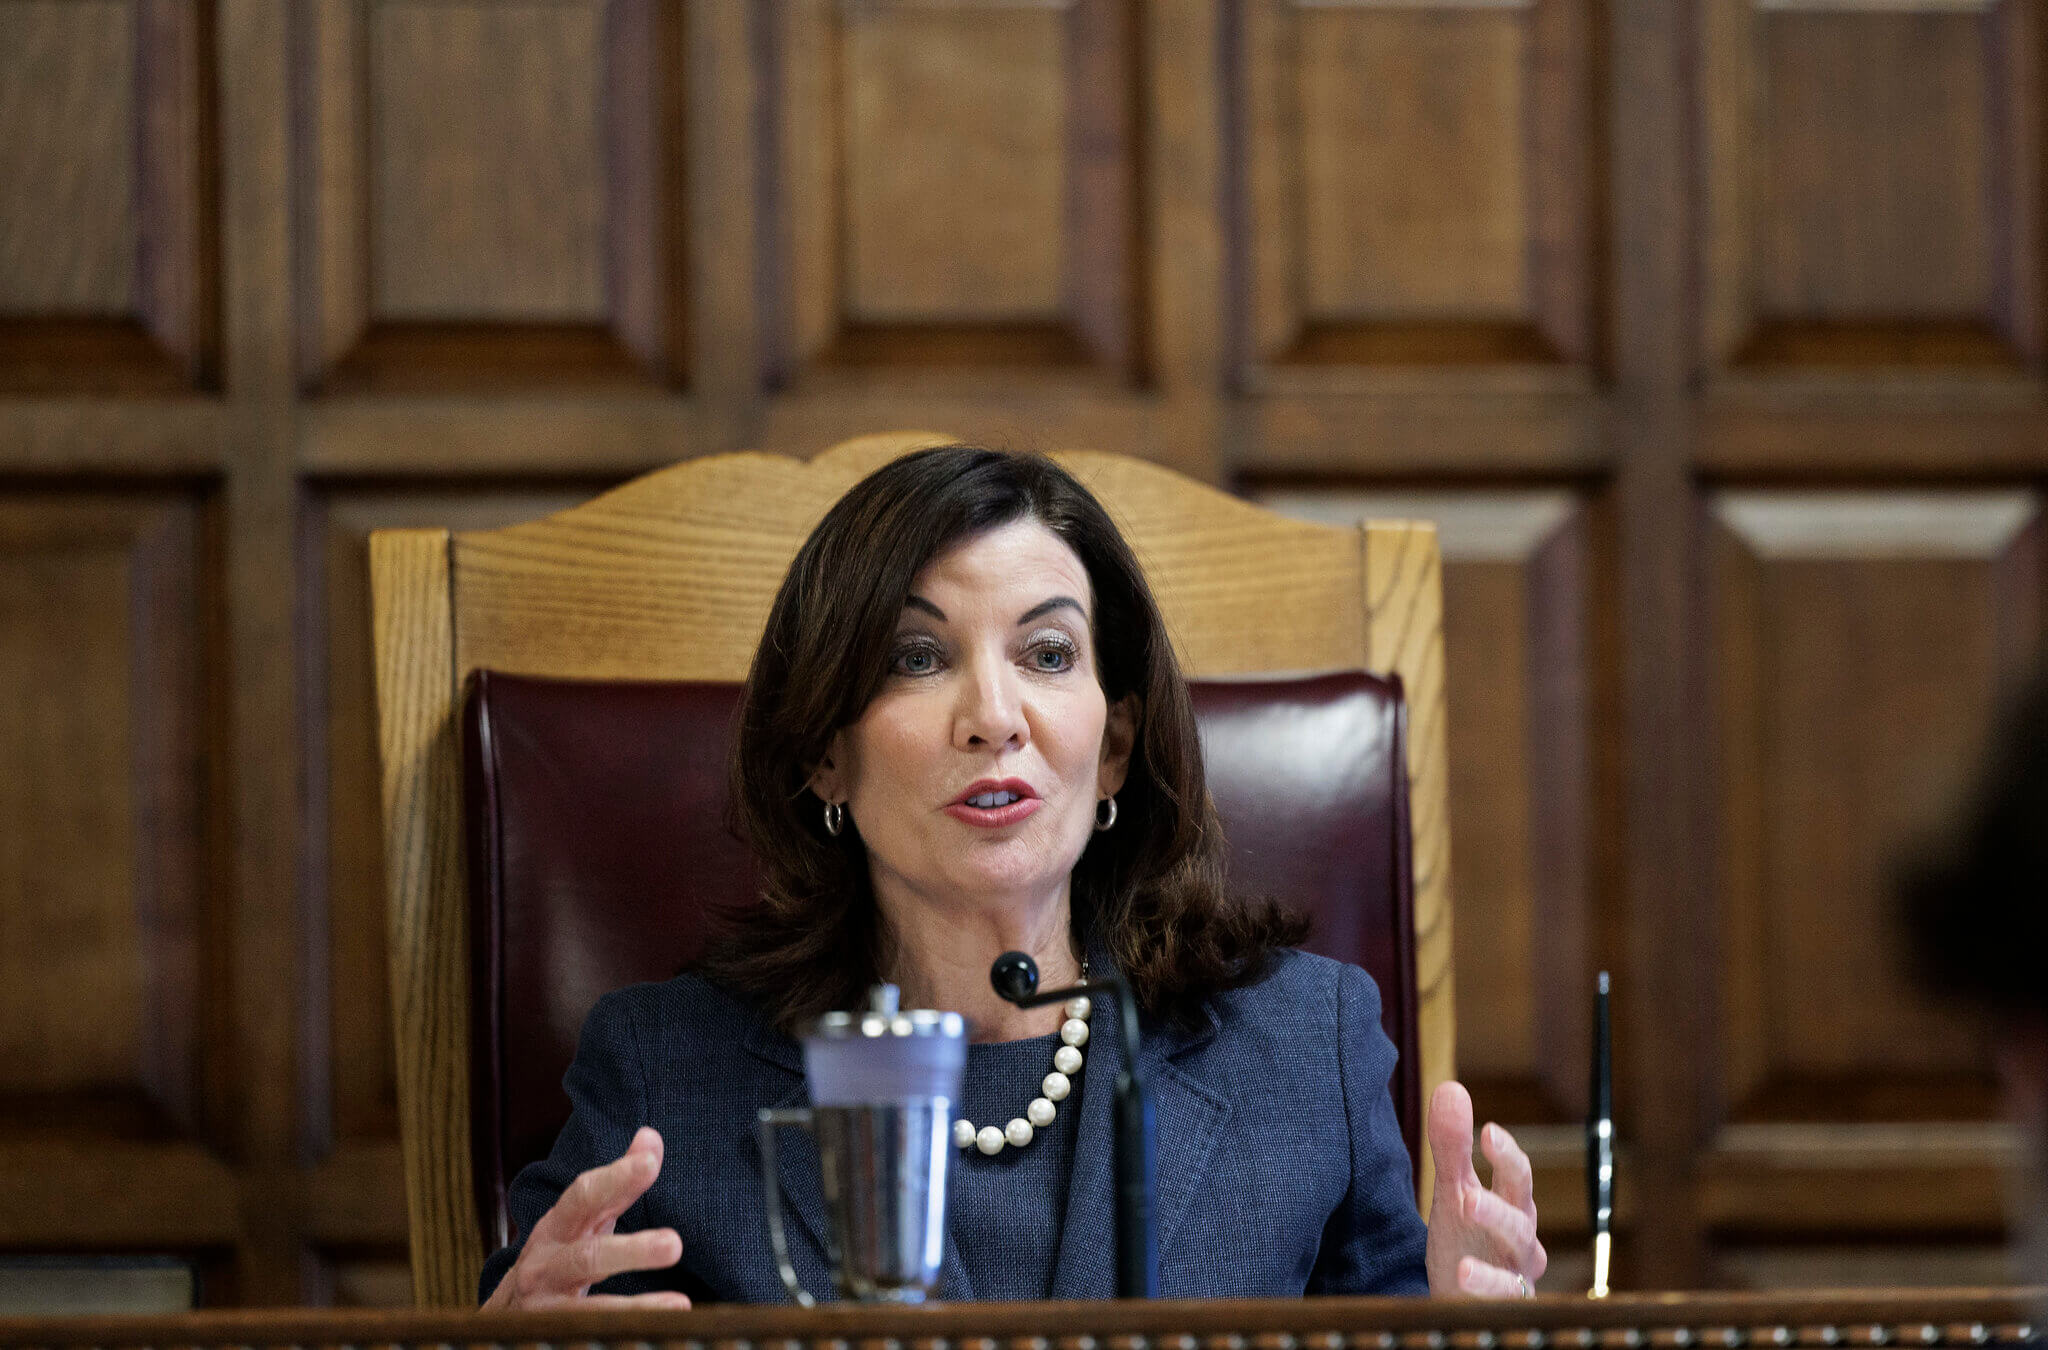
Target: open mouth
991,805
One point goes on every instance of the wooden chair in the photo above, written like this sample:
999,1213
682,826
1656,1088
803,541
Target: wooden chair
670,578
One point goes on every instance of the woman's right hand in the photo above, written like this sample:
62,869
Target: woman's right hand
573,1246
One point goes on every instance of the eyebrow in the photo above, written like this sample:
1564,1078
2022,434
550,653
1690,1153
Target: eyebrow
1037,611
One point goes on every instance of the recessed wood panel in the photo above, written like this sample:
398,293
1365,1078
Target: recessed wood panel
491,193
1382,92
102,936
1414,179
955,164
1874,166
350,1085
1870,191
1520,642
106,255
67,90
1957,1265
1860,639
954,185
488,161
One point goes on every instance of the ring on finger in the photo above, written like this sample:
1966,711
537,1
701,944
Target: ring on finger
1522,1283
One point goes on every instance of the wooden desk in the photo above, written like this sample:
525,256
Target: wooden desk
1903,1319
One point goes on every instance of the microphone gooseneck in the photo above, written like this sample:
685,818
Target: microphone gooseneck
1014,976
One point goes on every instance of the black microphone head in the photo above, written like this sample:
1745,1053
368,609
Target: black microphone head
1015,976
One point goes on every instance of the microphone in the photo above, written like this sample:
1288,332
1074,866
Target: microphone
1014,976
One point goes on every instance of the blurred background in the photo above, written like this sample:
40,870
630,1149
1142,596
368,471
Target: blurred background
1711,332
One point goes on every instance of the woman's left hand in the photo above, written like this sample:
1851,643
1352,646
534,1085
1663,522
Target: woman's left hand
1482,1243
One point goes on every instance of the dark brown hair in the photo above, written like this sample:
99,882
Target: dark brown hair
1153,888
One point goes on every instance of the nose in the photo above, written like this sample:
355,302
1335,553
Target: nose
990,713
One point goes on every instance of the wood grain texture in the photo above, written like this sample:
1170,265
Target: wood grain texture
58,1192
351,1092
113,112
1931,1317
952,186
67,91
955,140
1904,99
1404,604
1858,636
101,855
1379,91
1413,182
1529,806
487,161
1869,193
671,577
491,195
412,627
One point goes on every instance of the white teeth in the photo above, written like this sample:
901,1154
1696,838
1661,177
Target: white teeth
989,800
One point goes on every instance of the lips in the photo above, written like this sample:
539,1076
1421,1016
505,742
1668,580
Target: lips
994,803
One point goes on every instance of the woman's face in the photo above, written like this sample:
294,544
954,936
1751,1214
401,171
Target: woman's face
974,774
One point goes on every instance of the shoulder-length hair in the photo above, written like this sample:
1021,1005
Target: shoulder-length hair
1152,889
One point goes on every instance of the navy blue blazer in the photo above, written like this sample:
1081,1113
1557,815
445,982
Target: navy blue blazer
1281,1170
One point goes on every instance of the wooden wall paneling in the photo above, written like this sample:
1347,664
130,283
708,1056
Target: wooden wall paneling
1859,641
111,1052
1184,210
1405,431
357,1223
727,109
1661,989
350,1090
1871,185
1957,1265
490,195
103,1023
108,260
953,185
255,702
2018,88
1531,804
1416,186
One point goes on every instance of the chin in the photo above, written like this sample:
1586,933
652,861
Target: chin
997,884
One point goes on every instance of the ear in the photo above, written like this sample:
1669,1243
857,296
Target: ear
827,780
1119,738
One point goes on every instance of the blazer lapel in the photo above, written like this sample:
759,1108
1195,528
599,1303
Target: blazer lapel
1086,1264
1188,1119
954,1286
796,1156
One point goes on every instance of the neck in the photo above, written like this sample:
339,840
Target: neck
939,953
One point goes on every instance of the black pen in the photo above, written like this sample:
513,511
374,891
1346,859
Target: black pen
1600,1146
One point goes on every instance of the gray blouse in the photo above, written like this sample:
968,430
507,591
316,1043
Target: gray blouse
1005,1211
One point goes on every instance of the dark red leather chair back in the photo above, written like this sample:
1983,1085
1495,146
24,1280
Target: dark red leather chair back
597,846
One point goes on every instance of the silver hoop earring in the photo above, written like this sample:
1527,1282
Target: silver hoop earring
1105,819
835,818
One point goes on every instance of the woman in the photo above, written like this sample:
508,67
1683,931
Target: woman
965,733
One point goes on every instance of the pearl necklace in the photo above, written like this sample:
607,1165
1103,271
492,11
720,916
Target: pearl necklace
1066,1062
